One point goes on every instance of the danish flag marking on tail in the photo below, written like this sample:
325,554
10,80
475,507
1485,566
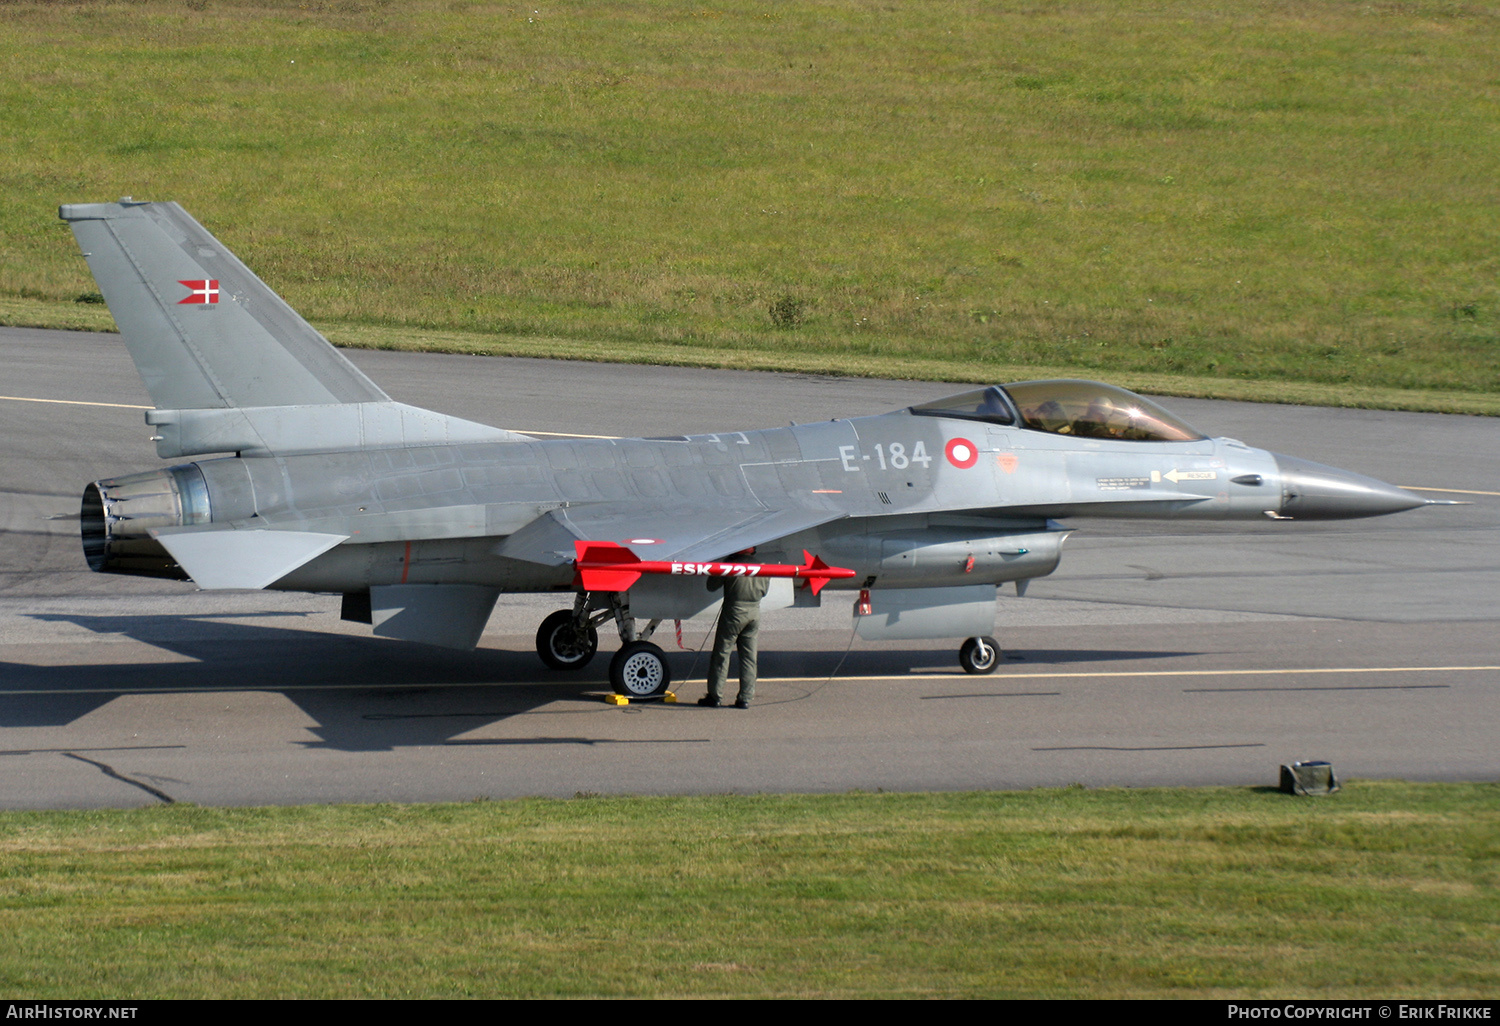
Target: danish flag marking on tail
204,290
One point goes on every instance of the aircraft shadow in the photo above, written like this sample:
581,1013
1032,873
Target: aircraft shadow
375,694
362,693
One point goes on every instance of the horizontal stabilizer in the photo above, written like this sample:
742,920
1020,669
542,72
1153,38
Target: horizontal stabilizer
243,559
447,615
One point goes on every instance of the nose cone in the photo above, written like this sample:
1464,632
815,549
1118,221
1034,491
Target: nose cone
1311,491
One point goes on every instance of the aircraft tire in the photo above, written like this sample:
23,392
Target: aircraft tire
562,646
979,655
640,671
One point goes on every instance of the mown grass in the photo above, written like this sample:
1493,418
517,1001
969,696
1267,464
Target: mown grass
1386,889
1274,190
32,313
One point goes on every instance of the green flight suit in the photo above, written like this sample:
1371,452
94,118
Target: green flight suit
739,626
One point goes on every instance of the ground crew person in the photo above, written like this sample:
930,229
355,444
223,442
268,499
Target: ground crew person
739,626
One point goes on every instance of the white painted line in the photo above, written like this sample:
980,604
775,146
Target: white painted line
129,406
558,434
74,402
1455,491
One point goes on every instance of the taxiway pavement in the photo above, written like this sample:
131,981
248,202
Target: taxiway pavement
1158,653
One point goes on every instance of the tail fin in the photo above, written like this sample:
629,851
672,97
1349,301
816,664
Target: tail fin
203,330
231,367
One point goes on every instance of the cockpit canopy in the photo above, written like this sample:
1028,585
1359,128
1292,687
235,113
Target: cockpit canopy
1084,409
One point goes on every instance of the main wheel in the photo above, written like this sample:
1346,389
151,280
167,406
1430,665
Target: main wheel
639,670
979,655
563,645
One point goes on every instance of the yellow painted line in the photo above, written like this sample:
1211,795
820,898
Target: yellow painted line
957,675
74,402
977,678
252,688
1455,491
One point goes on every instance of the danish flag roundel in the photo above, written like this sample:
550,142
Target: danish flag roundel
962,453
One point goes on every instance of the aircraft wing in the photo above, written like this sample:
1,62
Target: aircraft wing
706,533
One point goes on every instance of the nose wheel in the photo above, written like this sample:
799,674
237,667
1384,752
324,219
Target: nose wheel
979,655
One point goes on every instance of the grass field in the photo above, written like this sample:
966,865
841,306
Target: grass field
1385,889
1278,192
1269,200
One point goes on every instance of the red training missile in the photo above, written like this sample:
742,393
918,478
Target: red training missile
605,566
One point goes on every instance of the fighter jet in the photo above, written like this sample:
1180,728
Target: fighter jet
310,478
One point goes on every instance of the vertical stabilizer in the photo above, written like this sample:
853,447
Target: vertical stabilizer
203,330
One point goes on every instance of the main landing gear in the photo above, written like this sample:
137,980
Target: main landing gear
568,639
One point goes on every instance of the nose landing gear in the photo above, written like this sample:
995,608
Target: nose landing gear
979,655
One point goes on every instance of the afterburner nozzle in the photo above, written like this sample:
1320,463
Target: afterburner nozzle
1311,491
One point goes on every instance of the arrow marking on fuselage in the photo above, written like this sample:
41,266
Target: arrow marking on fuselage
1190,475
